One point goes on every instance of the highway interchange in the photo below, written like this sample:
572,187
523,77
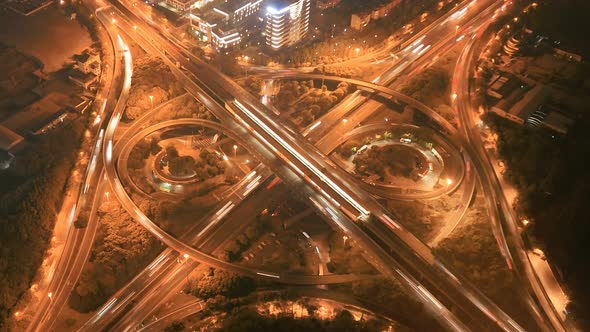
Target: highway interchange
302,166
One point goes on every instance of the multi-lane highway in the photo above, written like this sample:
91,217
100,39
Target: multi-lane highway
504,222
392,249
79,240
287,144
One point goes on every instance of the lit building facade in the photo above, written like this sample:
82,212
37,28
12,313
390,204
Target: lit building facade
287,22
225,24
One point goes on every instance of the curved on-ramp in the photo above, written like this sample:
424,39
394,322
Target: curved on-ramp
180,246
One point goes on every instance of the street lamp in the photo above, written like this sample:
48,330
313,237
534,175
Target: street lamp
50,295
152,101
186,256
345,238
345,120
107,195
235,150
357,50
449,182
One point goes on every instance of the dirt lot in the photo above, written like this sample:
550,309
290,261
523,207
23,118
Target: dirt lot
47,35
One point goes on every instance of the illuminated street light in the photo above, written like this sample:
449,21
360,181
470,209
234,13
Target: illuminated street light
235,150
113,20
358,50
186,256
50,295
344,237
135,27
246,58
454,96
345,120
152,101
16,314
449,182
526,222
107,195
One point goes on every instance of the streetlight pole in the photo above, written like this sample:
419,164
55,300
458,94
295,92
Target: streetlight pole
246,58
152,101
235,150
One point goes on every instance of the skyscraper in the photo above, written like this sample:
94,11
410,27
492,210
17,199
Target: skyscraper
287,22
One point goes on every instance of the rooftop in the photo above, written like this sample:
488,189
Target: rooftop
9,139
229,6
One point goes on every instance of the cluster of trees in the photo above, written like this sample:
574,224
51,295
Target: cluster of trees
431,85
291,91
180,166
141,151
346,259
551,176
209,165
335,45
136,162
218,282
253,85
183,108
153,83
399,159
309,102
30,197
227,63
234,249
121,249
474,252
418,216
389,299
432,88
249,320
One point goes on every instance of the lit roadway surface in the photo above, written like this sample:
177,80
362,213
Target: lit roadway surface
166,275
336,203
329,140
250,184
194,306
454,164
79,240
420,51
504,222
183,248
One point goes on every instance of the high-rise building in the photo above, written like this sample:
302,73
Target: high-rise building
287,22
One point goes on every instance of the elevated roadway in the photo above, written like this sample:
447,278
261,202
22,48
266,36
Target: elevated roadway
267,130
504,221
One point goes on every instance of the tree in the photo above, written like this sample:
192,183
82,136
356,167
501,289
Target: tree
171,152
174,327
155,148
